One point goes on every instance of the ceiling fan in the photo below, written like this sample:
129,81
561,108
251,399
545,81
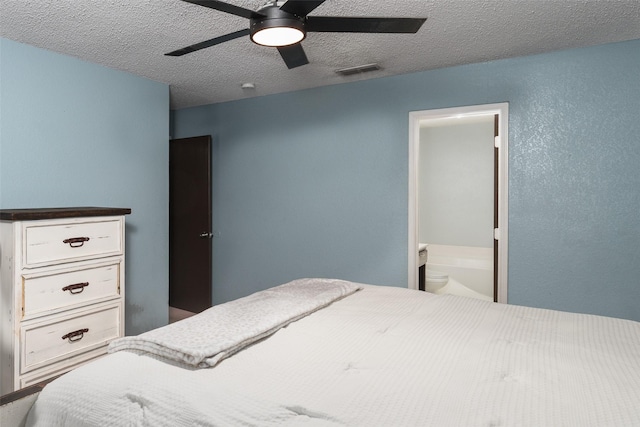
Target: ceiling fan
284,24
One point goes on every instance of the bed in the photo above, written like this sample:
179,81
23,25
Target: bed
367,356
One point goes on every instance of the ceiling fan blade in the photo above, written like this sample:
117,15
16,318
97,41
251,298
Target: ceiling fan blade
363,25
301,8
293,55
208,43
226,7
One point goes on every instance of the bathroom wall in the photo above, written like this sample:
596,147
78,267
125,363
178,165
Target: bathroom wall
456,188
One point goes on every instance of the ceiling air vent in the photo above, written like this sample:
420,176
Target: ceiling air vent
358,70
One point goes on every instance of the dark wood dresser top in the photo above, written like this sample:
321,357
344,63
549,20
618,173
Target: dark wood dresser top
53,213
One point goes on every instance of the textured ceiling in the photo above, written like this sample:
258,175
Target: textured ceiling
134,35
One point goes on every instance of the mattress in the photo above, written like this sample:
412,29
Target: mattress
382,356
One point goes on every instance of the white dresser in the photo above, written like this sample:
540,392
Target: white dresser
61,290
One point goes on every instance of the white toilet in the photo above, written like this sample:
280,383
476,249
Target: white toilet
434,280
439,283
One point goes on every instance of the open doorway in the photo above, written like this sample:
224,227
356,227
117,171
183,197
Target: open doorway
464,216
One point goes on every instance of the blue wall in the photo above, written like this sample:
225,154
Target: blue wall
78,134
314,183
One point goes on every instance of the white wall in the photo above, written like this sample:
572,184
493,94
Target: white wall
456,192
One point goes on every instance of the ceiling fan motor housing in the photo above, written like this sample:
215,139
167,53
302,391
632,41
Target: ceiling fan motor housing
273,17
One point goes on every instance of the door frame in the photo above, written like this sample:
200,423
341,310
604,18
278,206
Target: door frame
502,143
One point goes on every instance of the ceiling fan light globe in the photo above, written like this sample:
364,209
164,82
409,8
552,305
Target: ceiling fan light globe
277,36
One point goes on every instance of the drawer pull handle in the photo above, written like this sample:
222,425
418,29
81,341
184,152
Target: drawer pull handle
76,242
75,335
76,288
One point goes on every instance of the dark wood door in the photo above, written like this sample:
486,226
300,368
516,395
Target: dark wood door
190,223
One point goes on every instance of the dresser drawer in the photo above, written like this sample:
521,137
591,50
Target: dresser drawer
63,337
49,372
54,290
53,242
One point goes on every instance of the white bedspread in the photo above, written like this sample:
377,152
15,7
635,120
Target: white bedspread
203,341
380,357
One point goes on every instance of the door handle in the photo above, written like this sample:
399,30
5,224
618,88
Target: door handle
206,235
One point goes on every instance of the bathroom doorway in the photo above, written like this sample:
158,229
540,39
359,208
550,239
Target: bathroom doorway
458,200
